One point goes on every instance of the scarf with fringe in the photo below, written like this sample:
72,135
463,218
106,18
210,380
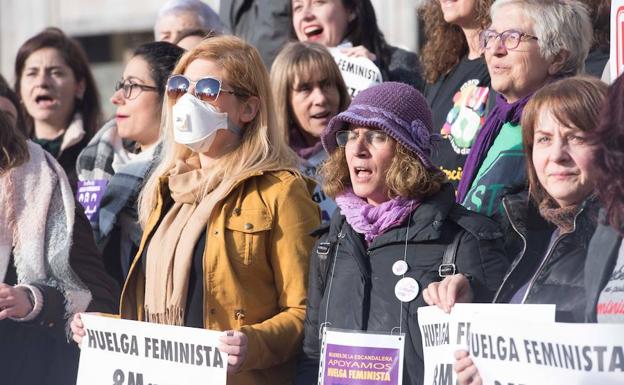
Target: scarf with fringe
36,225
170,252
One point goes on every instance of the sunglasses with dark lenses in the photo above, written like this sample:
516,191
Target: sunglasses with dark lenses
206,89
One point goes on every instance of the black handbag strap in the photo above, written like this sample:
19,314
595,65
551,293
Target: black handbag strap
448,266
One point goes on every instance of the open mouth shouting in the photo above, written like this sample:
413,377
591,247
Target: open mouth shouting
362,174
313,32
45,101
324,115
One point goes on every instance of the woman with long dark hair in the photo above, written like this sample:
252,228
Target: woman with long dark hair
54,83
605,259
121,155
335,22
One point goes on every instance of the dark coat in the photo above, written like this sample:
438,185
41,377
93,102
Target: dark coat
601,259
362,287
265,24
38,351
403,66
557,279
68,158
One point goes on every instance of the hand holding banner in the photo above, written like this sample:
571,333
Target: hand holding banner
123,352
541,353
358,72
443,334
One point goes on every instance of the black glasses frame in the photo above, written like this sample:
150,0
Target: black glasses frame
127,87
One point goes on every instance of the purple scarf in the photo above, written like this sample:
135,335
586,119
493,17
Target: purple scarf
373,221
502,113
299,144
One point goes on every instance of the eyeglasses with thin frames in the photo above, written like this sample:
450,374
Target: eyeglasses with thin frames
510,38
375,138
132,90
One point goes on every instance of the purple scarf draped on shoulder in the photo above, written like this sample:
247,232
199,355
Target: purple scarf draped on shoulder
373,221
298,143
502,113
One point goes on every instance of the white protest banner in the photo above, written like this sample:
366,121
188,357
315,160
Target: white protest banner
122,352
616,56
536,353
360,358
443,334
358,73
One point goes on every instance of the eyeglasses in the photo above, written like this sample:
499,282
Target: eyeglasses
510,38
206,89
375,138
132,90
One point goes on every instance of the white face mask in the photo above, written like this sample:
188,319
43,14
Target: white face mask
195,123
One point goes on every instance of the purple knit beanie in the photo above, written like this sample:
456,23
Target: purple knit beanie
396,108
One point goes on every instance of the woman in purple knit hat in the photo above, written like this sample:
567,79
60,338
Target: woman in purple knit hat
396,220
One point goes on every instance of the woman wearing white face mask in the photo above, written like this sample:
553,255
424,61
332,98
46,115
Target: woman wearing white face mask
228,211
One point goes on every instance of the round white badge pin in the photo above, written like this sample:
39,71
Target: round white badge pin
399,267
406,289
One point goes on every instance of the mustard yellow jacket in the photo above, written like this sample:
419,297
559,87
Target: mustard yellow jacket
255,270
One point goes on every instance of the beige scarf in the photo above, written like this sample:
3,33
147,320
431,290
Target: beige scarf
170,251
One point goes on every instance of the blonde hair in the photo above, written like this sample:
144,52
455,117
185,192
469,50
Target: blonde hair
262,147
304,61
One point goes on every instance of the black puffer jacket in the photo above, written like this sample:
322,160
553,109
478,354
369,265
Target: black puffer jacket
601,259
558,279
403,66
361,292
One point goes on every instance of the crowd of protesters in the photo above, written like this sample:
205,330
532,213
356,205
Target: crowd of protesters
242,189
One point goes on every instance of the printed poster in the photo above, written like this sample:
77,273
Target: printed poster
359,73
89,194
360,358
544,353
443,334
122,352
616,57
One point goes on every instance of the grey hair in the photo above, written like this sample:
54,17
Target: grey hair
206,16
560,25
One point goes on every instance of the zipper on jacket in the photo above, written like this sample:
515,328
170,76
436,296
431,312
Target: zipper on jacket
328,287
548,255
524,246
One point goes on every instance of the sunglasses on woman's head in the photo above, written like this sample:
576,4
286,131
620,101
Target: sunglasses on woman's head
206,89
